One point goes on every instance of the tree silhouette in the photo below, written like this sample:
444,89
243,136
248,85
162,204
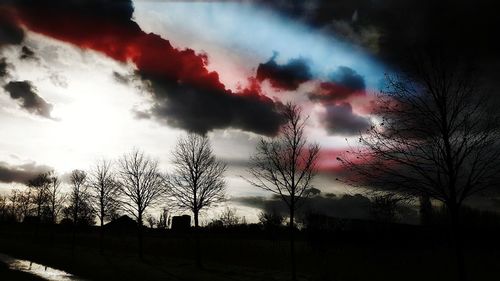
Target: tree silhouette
141,186
39,186
55,197
78,192
197,181
284,165
435,137
104,190
78,198
384,207
229,217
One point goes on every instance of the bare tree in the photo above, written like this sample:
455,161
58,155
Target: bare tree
285,165
104,193
271,218
229,217
384,207
25,204
141,186
14,198
78,198
39,186
435,138
79,193
4,207
152,222
197,181
55,197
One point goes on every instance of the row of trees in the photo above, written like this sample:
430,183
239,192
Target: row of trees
132,184
42,200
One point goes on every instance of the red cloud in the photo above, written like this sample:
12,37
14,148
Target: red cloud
187,94
123,41
328,160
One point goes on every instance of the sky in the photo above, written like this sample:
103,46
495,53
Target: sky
86,80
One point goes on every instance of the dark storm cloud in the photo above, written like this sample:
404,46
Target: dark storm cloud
345,206
10,32
185,93
348,77
343,83
20,173
341,120
29,100
286,76
201,110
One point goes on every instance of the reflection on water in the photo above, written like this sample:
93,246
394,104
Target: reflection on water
37,269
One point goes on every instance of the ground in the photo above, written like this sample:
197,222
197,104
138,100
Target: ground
237,256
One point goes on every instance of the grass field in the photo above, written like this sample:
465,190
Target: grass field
236,256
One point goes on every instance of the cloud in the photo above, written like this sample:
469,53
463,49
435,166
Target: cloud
286,76
186,94
345,206
349,78
342,84
20,173
341,120
27,53
25,93
4,67
10,32
202,110
121,78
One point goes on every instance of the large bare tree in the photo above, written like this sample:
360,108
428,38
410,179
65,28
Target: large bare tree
435,137
78,193
197,181
39,190
285,166
141,186
104,191
55,197
78,199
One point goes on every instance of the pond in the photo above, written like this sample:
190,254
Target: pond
37,269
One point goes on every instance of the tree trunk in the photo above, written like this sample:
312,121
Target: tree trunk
101,237
139,236
197,241
458,243
292,244
73,235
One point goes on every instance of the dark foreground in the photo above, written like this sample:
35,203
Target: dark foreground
249,253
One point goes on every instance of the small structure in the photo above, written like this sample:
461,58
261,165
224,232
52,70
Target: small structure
180,223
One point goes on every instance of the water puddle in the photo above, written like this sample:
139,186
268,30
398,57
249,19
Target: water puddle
37,269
